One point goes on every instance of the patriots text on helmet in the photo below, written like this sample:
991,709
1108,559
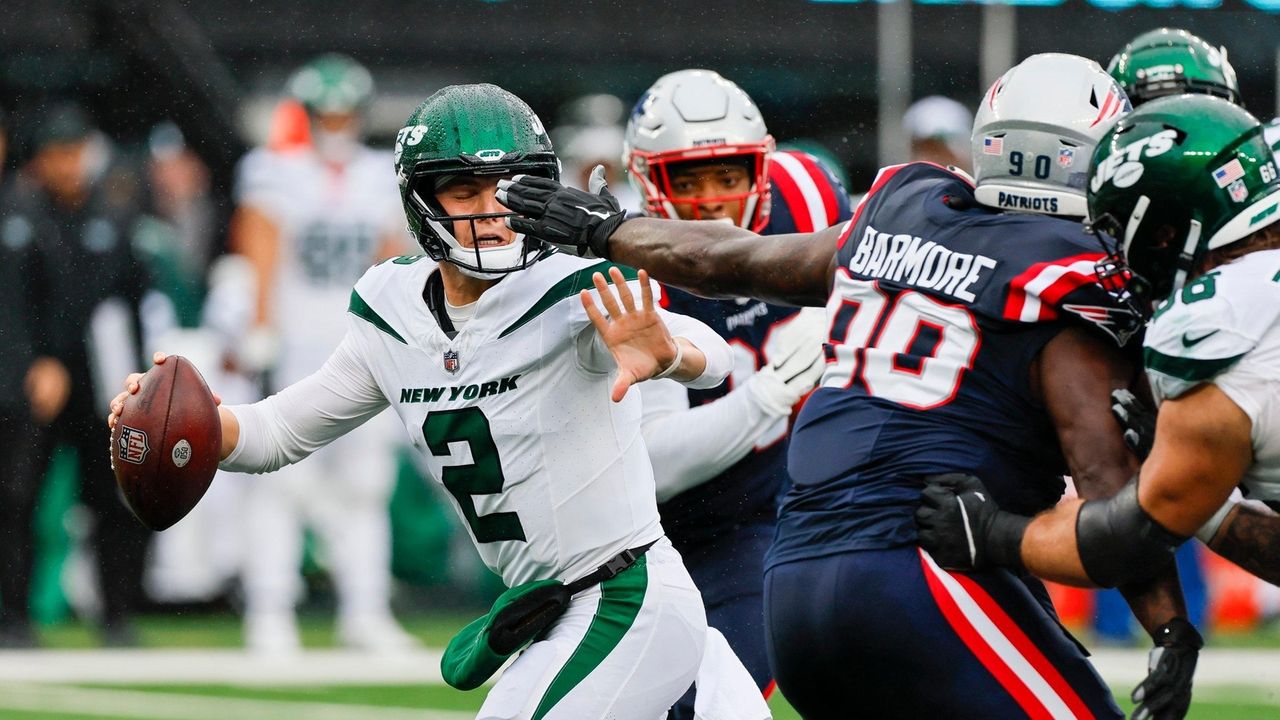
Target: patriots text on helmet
916,261
1015,201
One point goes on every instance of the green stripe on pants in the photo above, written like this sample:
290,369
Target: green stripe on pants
620,601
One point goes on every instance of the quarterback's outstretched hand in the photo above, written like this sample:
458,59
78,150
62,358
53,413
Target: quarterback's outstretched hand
574,221
1138,421
636,336
960,525
1166,692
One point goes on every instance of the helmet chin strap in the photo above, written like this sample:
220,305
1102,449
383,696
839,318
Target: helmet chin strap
1187,256
1135,219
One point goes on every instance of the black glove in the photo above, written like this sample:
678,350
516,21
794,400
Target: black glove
1166,693
960,525
1138,421
572,220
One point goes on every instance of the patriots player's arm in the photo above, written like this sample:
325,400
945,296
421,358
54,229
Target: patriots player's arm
707,258
720,260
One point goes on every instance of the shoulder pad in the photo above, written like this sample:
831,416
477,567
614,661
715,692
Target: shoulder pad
812,193
1212,323
379,296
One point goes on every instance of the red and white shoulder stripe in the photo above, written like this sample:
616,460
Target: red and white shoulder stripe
805,188
1035,293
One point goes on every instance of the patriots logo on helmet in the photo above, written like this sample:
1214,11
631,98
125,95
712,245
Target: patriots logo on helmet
1119,323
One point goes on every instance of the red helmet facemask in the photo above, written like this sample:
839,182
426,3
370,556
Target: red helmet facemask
652,169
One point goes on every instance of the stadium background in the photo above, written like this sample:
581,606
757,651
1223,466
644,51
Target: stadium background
836,73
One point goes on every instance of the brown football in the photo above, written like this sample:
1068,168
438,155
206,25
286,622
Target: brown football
165,445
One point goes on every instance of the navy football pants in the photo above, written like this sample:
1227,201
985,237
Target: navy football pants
889,634
730,574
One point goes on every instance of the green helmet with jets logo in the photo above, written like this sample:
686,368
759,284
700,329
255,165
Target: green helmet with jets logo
1169,61
478,130
1178,177
331,83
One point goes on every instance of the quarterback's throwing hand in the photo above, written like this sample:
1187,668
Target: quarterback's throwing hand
960,525
636,336
574,221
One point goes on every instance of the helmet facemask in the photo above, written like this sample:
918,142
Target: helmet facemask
652,172
438,239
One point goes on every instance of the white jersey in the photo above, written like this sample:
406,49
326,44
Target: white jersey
513,414
1224,328
331,220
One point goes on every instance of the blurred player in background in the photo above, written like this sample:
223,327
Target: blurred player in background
310,220
77,211
697,148
939,129
32,392
963,336
591,135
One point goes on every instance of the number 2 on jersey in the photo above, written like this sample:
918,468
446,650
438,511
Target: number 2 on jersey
482,476
919,353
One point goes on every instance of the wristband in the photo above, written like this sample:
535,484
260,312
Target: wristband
1004,540
675,364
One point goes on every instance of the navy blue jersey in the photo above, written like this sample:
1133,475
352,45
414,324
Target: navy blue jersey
938,308
805,196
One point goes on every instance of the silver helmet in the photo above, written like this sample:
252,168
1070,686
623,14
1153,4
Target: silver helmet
697,115
1035,132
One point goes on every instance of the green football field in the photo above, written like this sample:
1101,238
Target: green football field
66,692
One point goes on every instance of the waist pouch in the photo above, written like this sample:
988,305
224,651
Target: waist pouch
518,617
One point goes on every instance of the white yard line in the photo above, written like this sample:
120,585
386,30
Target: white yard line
1216,667
175,706
230,667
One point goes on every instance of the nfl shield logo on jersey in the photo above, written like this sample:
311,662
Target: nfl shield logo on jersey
451,361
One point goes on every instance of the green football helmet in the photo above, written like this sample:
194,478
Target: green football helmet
331,83
1178,177
469,130
1169,61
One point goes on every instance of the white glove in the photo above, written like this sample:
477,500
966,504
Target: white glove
795,364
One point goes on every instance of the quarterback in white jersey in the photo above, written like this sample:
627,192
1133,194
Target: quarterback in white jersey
513,384
310,220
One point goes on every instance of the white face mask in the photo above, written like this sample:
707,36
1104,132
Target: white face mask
335,147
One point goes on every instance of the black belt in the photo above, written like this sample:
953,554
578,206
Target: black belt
610,569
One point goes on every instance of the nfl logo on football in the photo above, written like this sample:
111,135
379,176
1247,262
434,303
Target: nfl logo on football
133,445
451,361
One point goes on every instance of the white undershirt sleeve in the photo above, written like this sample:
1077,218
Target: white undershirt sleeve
307,415
689,446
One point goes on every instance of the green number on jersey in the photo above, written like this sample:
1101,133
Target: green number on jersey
1205,287
482,477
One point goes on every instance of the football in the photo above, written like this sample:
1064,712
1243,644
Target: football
165,446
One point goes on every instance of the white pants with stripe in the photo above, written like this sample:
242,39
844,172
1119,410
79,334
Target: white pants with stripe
625,650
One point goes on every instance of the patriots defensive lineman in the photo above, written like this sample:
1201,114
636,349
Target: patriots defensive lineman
697,149
512,382
1190,187
310,220
963,336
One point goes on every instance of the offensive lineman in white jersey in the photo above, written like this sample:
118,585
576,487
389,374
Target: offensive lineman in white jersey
310,220
1191,190
513,383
